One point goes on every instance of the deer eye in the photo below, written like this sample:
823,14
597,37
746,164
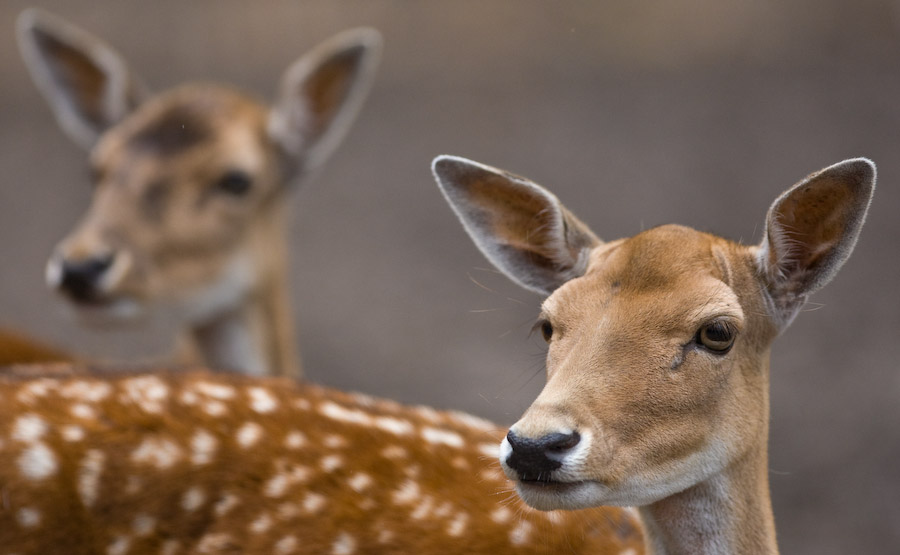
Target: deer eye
546,329
235,183
717,336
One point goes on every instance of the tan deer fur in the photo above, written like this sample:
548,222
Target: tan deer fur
199,462
191,188
657,392
17,348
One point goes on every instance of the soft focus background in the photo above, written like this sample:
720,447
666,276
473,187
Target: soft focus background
635,113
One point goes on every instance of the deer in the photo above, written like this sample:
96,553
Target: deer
189,207
656,398
657,390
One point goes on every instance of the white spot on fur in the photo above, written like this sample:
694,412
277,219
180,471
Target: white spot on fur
29,428
423,509
214,408
215,390
35,389
262,524
429,414
203,447
345,544
491,450
147,392
342,414
407,493
394,452
119,546
160,452
143,525
493,474
225,504
331,462
89,476
501,515
28,517
248,434
287,511
302,404
188,398
295,440
471,421
90,392
385,535
261,400
360,481
628,551
72,433
457,526
285,545
82,411
277,486
313,502
445,437
334,441
460,463
193,499
444,510
394,426
37,462
521,533
554,516
214,543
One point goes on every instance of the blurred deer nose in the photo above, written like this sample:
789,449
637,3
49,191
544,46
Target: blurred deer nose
80,279
537,458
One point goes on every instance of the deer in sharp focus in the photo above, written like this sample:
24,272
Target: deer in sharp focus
657,392
191,187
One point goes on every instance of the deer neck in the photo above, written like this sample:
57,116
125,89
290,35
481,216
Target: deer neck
256,336
730,512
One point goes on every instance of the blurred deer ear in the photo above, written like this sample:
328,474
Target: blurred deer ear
811,230
88,85
519,226
321,94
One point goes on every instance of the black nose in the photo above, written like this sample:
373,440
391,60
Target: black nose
533,458
80,278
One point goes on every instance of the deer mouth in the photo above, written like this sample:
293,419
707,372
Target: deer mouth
99,310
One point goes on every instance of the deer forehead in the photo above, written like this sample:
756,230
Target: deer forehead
668,279
190,126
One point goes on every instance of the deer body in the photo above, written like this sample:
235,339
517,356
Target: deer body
191,185
657,392
215,463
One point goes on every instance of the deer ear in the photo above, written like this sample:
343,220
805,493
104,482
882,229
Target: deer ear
87,84
518,225
811,230
321,94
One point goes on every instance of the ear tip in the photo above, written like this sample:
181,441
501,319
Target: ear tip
446,166
365,39
861,170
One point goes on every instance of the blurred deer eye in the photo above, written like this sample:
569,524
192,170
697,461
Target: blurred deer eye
236,183
717,336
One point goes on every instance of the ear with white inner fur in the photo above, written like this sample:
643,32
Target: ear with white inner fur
811,230
519,226
321,94
88,85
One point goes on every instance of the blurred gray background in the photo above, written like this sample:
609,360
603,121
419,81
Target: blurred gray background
635,113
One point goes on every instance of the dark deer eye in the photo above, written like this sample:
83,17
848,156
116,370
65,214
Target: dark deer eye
717,336
236,183
546,330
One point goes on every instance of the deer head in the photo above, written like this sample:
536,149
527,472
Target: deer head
657,369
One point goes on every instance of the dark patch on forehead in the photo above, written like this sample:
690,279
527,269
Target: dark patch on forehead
172,131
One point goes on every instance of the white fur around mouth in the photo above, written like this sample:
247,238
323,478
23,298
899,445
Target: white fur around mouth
550,496
108,311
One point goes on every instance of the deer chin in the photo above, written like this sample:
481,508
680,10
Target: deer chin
108,311
555,495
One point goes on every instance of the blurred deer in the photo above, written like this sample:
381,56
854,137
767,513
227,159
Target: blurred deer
191,188
657,391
